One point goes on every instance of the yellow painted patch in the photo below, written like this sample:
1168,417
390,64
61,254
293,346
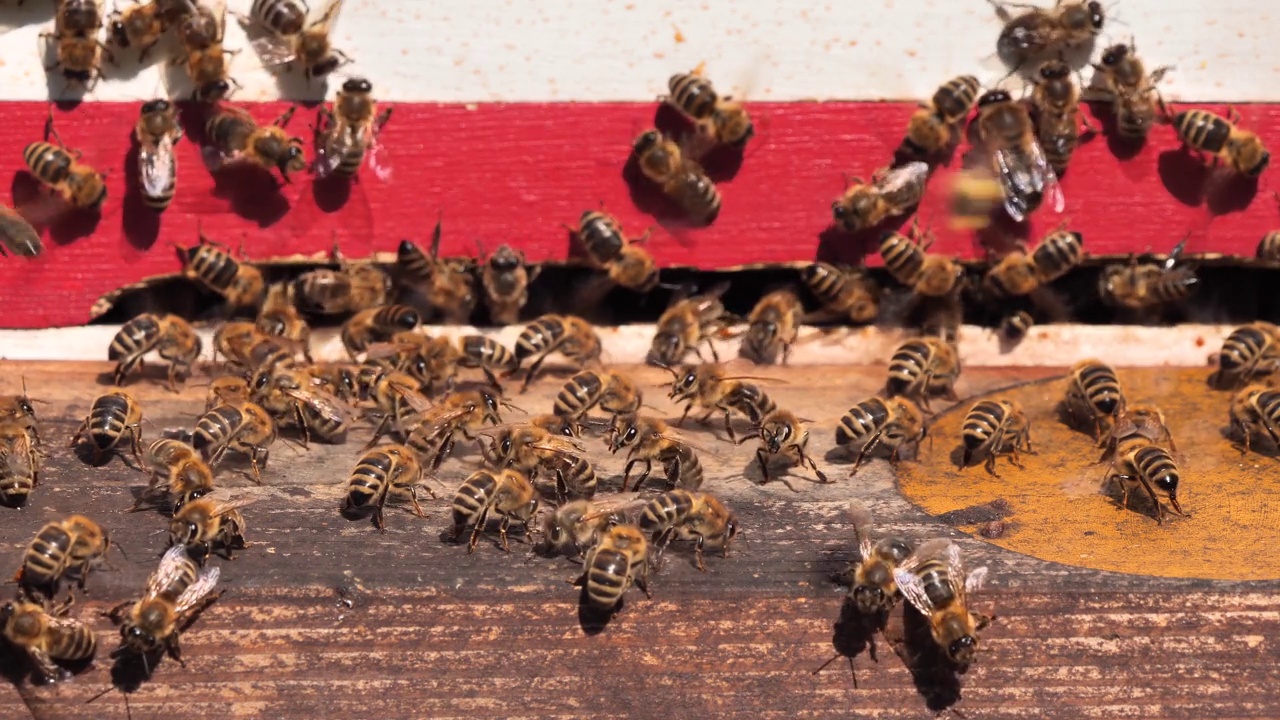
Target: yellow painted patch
1058,510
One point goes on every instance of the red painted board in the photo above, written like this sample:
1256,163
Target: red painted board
515,173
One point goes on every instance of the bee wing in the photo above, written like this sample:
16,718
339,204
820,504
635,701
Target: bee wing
19,458
197,590
226,506
17,235
561,444
903,186
64,624
1024,171
329,154
329,17
376,155
172,567
911,585
157,165
973,581
328,406
272,49
613,506
861,517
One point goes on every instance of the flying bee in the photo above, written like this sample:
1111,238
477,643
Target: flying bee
244,427
1145,421
1250,352
972,196
1022,271
376,325
178,473
873,590
1039,31
169,335
922,368
507,493
997,426
688,323
78,52
202,25
927,274
59,167
935,126
355,287
687,515
708,387
627,263
17,236
845,293
1255,409
613,392
889,422
719,118
1147,286
783,435
62,550
111,418
1130,90
505,277
289,38
234,136
447,284
140,25
1056,100
175,592
280,318
650,439
212,265
460,413
1241,150
772,328
47,638
620,559
1093,390
203,525
1140,462
294,396
681,179
157,132
1009,136
348,132
383,473
569,335
934,581
19,463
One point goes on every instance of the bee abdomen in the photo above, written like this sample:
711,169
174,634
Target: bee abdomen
579,394
861,421
981,423
578,476
107,420
75,643
607,577
1269,246
1173,286
480,351
683,468
473,497
1202,130
601,237
50,163
283,17
826,282
955,98
214,429
539,336
369,479
1101,388
693,95
1156,465
665,510
47,556
902,258
213,266
135,336
14,488
907,366
1242,347
1269,405
751,401
1057,254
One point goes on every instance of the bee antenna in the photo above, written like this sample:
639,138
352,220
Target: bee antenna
510,406
121,549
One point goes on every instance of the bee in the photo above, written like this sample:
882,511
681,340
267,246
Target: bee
1056,100
627,263
581,523
75,39
226,389
64,549
289,38
874,591
141,25
157,132
18,236
505,277
507,493
1143,286
19,463
706,386
650,439
447,284
1249,352
532,449
463,413
1021,271
59,167
1094,391
614,392
935,126
934,581
1140,462
349,131
201,29
177,472
487,355
557,425
1144,421
972,196
1268,246
927,274
21,409
46,638
688,323
772,328
922,368
280,318
244,427
1205,132
295,396
719,118
998,426
1007,133
394,394
570,335
377,324
212,265
175,592
620,559
1038,31
783,435
205,524
1130,90
234,341
382,473
353,288
234,136
1255,408
169,335
845,293
687,515
682,180
890,422
1015,326
111,418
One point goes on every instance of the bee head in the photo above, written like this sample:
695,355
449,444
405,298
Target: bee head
154,106
1054,70
407,320
868,598
646,141
212,91
963,650
1097,16
1115,55
504,259
357,85
994,97
119,36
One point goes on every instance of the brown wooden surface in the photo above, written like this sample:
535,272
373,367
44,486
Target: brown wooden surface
434,632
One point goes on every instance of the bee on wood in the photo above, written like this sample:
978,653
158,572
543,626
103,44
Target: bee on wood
1000,428
707,386
447,284
772,328
59,168
1009,136
348,132
178,474
686,324
78,52
1249,353
289,38
17,236
1255,410
383,473
296,397
1223,139
226,389
377,325
202,25
650,439
579,524
1130,90
112,417
175,593
874,591
1039,31
935,126
487,355
169,335
927,274
1056,100
1094,392
613,392
682,180
1139,462
1146,421
533,450
686,515
355,287
19,463
435,429
21,409
933,579
507,493
845,293
625,260
1022,271
234,136
244,427
62,550
720,119
505,277
922,368
212,265
614,564
47,638
569,335
783,435
157,132
140,25
206,525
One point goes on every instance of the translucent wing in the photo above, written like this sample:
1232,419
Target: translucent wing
910,583
973,581
226,506
330,152
173,566
903,186
158,166
196,592
376,155
272,49
861,517
614,506
913,590
18,458
328,19
327,406
1025,174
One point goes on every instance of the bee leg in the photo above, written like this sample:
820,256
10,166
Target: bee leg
697,553
728,425
135,439
502,534
642,581
413,500
75,439
475,531
1151,492
867,447
763,459
685,415
378,519
533,370
173,377
173,650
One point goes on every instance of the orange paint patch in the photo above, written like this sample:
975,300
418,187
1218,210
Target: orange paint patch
679,36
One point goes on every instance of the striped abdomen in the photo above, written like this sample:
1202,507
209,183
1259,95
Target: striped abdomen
229,131
475,495
955,98
1268,404
70,642
608,577
827,282
159,199
601,236
576,474
902,257
49,163
908,365
1156,465
579,394
1057,254
1016,326
692,95
1269,247
1244,347
282,17
1100,387
47,556
682,467
936,579
666,511
481,352
212,266
540,337
369,481
215,429
982,422
751,401
1202,130
694,192
862,421
396,318
1173,285
109,419
135,338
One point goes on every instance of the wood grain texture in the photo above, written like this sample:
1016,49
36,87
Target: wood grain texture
516,173
434,631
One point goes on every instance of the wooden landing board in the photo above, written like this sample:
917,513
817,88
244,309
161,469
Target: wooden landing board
434,632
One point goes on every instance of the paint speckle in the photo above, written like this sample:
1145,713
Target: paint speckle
679,36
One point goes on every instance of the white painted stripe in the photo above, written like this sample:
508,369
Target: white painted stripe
585,50
1049,345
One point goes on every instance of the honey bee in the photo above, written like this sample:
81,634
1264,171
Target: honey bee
507,493
280,318
46,638
447,284
207,524
226,389
296,397
927,274
1249,352
1022,271
686,515
21,409
579,524
383,473
201,29
111,418
1140,462
874,591
141,25
174,594
719,118
1146,421
234,136
377,324
1255,408
570,335
998,426
177,472
62,550
19,463
289,38
890,194
1038,31
557,425
614,392
650,439
394,394
972,196
1145,286
75,38
1093,390
1241,150
772,328
783,435
353,288
234,340
706,386
533,449
1130,90
157,132
627,263
922,368
169,335
935,126
1056,100
212,265
1268,246
59,167
487,355
348,132
431,361
620,559
1015,326
934,581
682,180
505,277
244,427
464,413
890,422
686,324
18,236
845,293
1009,136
